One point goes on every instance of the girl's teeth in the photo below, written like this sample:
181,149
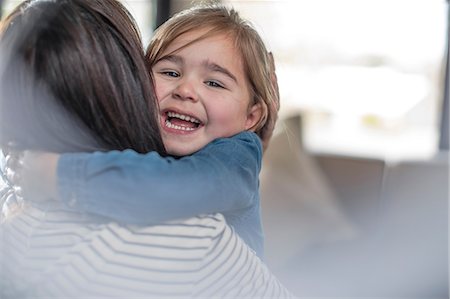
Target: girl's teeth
172,126
183,117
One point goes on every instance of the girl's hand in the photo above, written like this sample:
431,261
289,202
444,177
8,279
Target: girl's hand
32,174
11,195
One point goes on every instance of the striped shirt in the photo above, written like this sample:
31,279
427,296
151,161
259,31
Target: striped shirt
48,251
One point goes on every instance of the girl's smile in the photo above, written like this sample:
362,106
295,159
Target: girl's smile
179,122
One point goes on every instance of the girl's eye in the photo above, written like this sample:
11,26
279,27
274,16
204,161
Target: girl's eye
170,74
214,84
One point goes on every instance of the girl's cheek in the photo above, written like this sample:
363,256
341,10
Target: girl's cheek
159,90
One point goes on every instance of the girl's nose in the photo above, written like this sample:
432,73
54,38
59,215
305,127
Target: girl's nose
185,91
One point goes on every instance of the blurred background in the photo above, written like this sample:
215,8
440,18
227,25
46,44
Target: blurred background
354,186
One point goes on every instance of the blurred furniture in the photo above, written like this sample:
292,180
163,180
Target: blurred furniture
351,227
299,206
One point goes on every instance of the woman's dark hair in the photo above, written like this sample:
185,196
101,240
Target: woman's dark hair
81,58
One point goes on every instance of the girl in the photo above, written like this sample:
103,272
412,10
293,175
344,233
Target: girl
213,78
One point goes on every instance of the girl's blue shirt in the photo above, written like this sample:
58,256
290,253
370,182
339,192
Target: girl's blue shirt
145,189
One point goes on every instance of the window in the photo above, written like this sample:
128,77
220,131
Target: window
366,76
143,12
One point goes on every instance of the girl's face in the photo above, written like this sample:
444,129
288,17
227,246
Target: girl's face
203,92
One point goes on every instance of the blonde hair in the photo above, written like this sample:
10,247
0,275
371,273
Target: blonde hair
257,61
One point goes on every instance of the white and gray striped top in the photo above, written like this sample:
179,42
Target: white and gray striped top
48,251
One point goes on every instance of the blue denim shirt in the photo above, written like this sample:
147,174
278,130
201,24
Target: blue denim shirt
145,189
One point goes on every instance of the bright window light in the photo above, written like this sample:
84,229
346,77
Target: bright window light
366,76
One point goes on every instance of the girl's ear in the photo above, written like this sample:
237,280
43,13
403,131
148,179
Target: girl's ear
254,114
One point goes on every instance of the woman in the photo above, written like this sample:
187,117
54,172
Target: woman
73,78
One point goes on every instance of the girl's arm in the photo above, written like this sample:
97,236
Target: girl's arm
144,189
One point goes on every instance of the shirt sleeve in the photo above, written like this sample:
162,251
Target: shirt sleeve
147,188
231,269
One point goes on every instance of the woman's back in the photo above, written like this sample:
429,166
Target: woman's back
50,251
